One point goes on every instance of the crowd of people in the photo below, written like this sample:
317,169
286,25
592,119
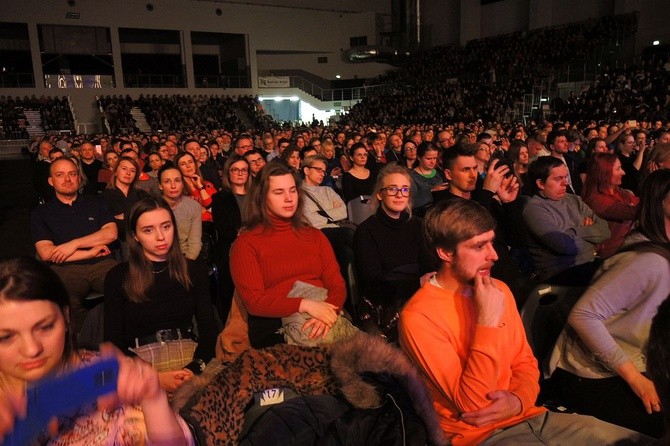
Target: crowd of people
183,112
283,264
487,78
480,211
54,112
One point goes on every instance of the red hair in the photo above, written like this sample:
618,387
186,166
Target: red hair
599,174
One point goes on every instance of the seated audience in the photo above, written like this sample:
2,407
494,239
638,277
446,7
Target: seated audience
409,151
155,163
291,157
358,180
121,193
599,358
517,154
631,161
463,331
227,208
256,162
186,211
276,249
323,207
602,192
72,233
196,188
563,230
391,259
658,361
107,171
425,177
152,300
35,328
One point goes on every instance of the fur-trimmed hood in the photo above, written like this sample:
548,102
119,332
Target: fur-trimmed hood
214,403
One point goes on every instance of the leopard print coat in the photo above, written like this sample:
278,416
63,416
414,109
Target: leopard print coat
214,403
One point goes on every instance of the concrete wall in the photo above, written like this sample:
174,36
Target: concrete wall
270,28
504,17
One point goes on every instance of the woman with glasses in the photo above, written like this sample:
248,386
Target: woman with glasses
631,162
409,153
359,179
391,259
227,212
425,178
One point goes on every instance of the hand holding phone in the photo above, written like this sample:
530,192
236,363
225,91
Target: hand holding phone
59,396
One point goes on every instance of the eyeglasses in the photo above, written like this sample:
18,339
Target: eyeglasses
256,162
393,191
410,149
318,169
235,170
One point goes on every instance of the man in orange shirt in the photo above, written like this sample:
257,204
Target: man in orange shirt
463,331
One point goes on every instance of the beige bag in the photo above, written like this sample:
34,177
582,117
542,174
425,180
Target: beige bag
234,339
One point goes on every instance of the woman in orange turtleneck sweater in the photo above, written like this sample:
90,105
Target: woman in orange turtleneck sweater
275,249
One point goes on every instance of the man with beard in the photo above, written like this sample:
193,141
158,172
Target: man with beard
463,331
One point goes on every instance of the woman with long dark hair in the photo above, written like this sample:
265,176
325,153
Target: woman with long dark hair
227,211
196,187
151,300
36,342
358,180
275,249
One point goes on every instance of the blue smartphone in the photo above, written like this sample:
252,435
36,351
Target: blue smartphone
60,396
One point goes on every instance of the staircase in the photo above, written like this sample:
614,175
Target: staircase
34,127
140,120
243,117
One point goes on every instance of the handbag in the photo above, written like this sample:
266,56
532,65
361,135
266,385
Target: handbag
344,223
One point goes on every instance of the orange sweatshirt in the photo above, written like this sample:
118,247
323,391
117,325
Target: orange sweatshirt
462,362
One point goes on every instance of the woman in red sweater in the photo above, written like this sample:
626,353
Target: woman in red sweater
275,249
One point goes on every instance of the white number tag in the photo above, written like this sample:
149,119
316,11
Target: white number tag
272,396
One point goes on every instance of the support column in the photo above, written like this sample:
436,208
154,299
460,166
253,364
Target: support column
540,14
187,58
116,57
471,20
36,55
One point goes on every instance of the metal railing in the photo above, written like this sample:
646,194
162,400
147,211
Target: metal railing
332,94
221,81
154,81
17,80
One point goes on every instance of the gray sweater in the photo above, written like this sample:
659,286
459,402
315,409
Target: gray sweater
611,320
329,201
188,214
558,237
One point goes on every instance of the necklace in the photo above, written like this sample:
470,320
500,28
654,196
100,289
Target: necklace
160,270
